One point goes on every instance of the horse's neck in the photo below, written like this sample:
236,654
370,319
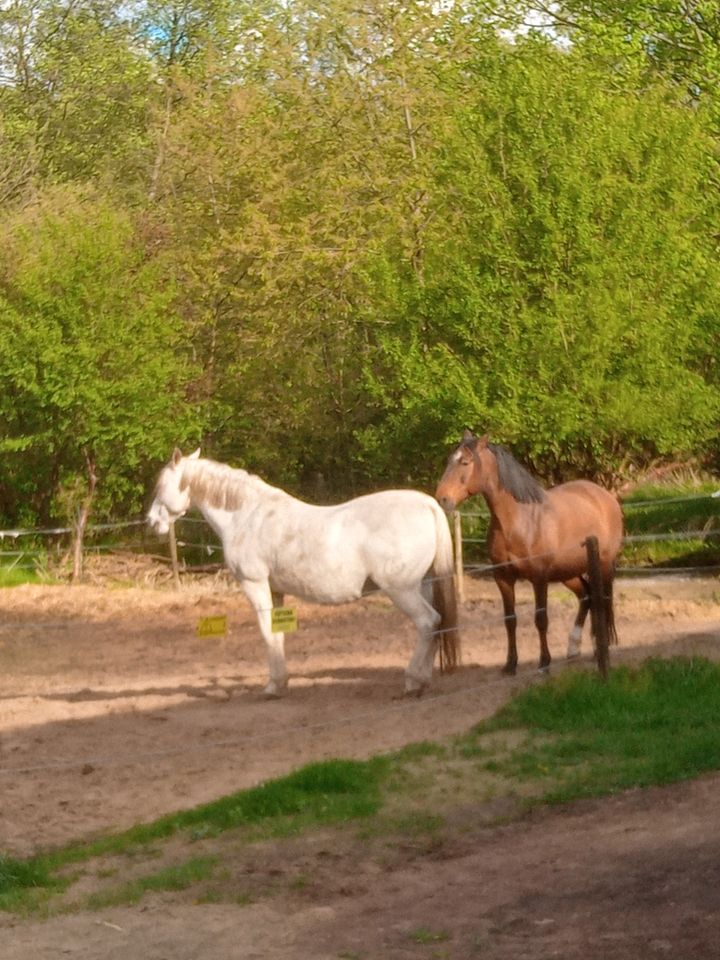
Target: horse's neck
219,491
508,514
502,505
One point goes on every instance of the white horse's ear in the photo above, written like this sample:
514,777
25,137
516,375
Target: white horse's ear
194,455
176,457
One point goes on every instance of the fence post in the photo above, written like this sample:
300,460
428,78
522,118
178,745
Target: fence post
459,574
174,555
598,616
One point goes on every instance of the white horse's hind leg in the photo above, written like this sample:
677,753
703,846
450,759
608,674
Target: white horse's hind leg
419,671
574,640
259,594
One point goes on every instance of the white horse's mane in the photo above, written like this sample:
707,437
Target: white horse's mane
220,485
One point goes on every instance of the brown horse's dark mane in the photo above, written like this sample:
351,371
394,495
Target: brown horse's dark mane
512,476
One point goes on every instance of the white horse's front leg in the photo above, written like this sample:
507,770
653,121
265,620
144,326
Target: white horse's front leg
259,594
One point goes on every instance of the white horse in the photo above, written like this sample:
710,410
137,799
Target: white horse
397,540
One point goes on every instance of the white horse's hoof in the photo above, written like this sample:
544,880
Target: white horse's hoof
414,688
274,691
573,647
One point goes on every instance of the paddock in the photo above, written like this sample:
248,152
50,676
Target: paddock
114,711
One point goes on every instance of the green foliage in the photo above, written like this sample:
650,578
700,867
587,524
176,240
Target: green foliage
91,358
323,243
564,297
641,39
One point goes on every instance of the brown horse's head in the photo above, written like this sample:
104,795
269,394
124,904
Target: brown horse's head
461,477
478,466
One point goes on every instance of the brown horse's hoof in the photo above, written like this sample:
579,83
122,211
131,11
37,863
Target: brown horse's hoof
509,670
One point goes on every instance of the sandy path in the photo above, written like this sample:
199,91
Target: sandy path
113,711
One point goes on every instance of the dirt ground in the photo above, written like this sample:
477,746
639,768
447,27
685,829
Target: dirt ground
113,711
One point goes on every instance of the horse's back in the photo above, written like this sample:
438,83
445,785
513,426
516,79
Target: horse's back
583,508
386,506
327,553
388,521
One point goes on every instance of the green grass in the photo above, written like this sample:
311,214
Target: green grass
680,510
15,576
26,883
652,725
331,792
567,737
170,879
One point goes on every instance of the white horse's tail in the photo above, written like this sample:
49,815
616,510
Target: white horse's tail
444,596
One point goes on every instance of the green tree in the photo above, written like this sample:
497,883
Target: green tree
75,78
571,281
678,40
92,359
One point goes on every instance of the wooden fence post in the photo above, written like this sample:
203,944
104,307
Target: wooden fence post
598,615
174,555
459,574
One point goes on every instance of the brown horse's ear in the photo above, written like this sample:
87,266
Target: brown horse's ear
176,457
484,440
467,436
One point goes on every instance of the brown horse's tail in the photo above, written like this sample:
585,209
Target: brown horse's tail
610,609
444,596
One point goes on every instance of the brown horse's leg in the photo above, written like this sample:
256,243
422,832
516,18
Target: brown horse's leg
579,588
541,621
506,586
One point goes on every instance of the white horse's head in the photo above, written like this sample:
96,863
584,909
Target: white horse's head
172,495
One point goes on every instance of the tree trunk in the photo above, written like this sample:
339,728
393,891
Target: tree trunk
82,519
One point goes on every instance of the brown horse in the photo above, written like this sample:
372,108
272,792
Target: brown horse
536,534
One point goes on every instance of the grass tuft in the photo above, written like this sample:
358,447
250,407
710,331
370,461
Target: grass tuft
173,878
25,884
22,873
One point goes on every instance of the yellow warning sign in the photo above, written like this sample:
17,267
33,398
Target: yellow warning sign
212,626
283,620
